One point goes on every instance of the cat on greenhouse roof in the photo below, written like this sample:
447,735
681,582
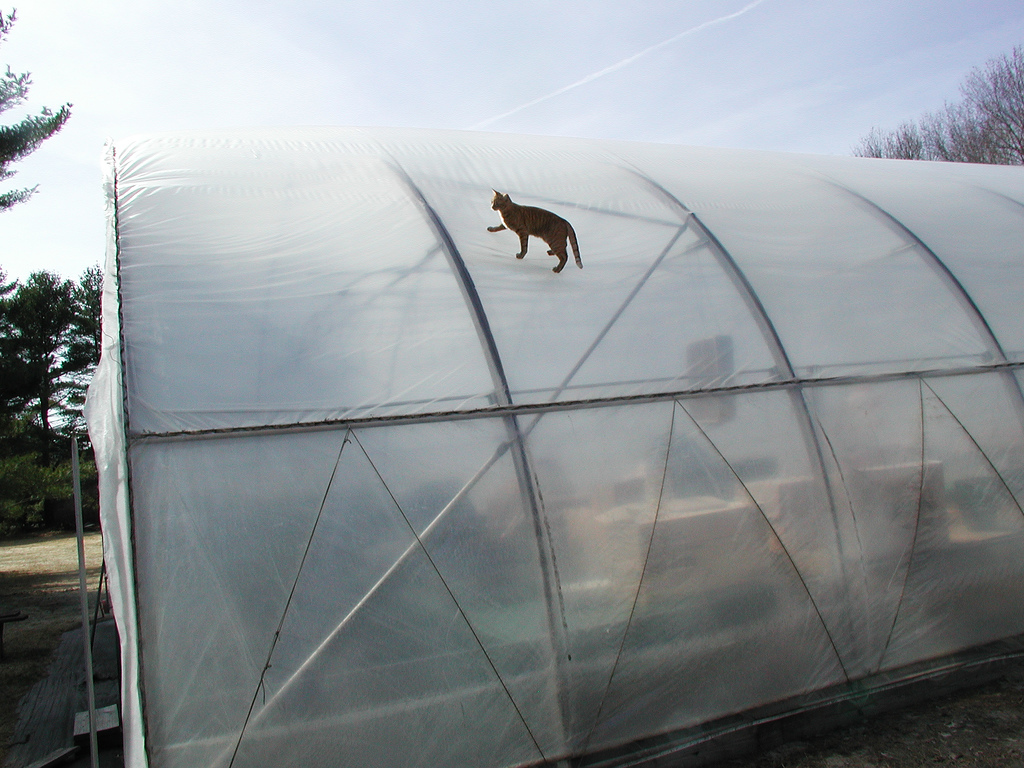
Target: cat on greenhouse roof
526,220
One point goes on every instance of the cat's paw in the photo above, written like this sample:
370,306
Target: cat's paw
520,255
494,229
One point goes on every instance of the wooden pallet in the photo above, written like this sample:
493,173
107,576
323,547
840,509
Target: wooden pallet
47,713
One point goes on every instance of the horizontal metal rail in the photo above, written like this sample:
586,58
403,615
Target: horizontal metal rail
520,409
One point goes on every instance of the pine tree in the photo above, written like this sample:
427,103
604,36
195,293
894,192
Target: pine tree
21,139
49,345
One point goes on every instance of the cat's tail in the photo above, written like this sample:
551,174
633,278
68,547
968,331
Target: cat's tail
575,245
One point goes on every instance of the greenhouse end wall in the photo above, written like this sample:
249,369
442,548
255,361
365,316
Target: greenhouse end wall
377,492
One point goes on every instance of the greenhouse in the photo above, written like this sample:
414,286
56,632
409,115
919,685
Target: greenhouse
376,492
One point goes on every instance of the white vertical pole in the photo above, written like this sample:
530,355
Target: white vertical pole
83,596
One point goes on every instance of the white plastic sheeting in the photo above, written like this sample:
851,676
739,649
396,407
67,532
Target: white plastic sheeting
377,493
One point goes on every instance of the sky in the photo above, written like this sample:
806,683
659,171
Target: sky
784,75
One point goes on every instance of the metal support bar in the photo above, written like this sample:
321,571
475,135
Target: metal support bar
952,282
802,409
937,264
83,596
520,457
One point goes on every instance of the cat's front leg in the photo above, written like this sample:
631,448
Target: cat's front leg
496,229
522,245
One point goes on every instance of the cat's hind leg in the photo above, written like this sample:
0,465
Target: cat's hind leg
563,257
558,249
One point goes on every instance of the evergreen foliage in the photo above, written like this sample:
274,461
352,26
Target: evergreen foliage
49,346
21,139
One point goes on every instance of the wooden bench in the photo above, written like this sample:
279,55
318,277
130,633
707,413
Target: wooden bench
5,617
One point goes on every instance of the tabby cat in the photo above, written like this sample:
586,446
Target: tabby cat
525,220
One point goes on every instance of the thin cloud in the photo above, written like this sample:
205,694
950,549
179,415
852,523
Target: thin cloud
617,66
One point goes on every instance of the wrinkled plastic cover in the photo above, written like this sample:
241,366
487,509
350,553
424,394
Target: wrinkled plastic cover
105,416
779,449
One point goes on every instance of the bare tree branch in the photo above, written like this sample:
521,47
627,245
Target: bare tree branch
986,126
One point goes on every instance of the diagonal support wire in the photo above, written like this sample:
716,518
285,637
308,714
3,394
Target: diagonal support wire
417,545
775,533
913,539
977,445
421,546
920,502
768,522
778,350
618,313
288,602
639,585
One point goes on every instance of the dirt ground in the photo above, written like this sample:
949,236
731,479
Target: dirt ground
982,727
39,576
978,728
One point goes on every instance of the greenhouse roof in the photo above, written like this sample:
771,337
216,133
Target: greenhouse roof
361,280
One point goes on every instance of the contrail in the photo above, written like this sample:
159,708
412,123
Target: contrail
617,66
